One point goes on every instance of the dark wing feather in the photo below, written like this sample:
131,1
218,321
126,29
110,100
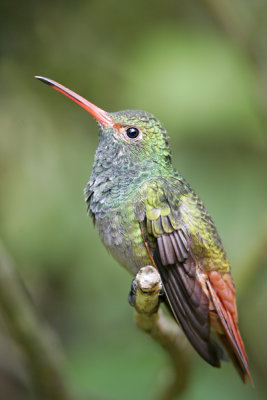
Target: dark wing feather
169,243
172,220
187,300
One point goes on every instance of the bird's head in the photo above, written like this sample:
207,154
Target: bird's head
131,133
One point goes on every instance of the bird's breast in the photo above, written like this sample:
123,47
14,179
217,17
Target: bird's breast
121,234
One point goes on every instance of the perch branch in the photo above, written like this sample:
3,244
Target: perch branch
37,342
164,330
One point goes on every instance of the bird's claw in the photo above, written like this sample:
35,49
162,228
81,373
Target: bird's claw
131,297
162,296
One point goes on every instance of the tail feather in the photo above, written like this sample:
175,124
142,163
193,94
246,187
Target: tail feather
233,356
231,337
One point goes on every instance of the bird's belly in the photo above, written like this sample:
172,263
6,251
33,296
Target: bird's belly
121,234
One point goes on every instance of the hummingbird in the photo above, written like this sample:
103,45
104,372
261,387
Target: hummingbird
146,212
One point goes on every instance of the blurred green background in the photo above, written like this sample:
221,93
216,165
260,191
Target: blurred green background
201,68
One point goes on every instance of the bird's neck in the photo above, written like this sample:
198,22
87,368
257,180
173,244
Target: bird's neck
115,177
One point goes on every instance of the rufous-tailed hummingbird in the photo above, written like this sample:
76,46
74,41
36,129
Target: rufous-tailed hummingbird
146,212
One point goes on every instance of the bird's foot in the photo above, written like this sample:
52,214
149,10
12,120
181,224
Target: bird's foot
131,297
162,296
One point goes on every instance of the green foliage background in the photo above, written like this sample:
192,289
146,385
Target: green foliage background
200,67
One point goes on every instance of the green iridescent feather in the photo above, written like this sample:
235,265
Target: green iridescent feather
132,181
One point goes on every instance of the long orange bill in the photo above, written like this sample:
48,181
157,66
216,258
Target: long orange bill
100,115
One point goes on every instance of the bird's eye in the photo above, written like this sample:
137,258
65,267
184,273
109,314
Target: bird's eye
132,132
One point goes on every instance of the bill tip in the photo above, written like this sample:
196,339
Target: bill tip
43,79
